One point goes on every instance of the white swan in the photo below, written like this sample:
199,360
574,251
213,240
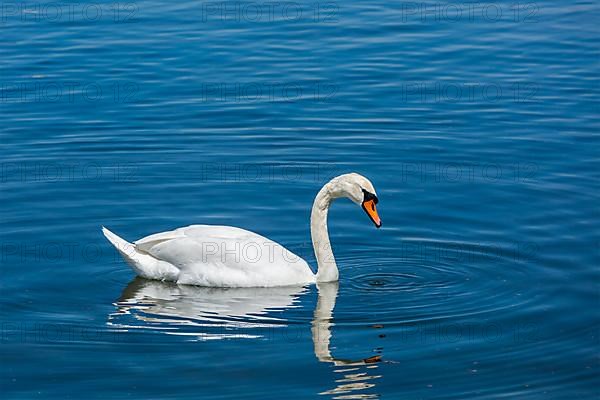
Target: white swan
225,256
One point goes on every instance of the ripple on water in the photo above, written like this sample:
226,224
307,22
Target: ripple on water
448,282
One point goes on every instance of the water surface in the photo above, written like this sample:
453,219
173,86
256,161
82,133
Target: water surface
477,127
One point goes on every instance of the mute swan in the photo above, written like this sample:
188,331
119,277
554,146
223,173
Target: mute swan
225,256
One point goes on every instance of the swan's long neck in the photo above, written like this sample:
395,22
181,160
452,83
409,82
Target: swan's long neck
327,269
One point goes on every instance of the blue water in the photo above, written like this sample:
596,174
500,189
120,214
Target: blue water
477,124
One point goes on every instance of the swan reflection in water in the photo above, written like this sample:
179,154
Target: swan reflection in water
224,313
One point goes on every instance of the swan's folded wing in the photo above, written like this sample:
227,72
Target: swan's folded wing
225,256
146,243
201,244
204,233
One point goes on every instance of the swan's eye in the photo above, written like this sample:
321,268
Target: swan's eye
370,196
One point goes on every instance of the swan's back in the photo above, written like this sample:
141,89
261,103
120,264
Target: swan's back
224,256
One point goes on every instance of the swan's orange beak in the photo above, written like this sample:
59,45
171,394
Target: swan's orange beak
369,207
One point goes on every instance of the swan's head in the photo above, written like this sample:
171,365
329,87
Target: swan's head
358,189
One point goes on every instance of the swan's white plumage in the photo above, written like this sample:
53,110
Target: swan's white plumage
225,256
217,256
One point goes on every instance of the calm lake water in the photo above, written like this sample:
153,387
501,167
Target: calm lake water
477,123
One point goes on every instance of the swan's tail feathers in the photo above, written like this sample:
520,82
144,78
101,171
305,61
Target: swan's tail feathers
121,244
141,262
126,249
